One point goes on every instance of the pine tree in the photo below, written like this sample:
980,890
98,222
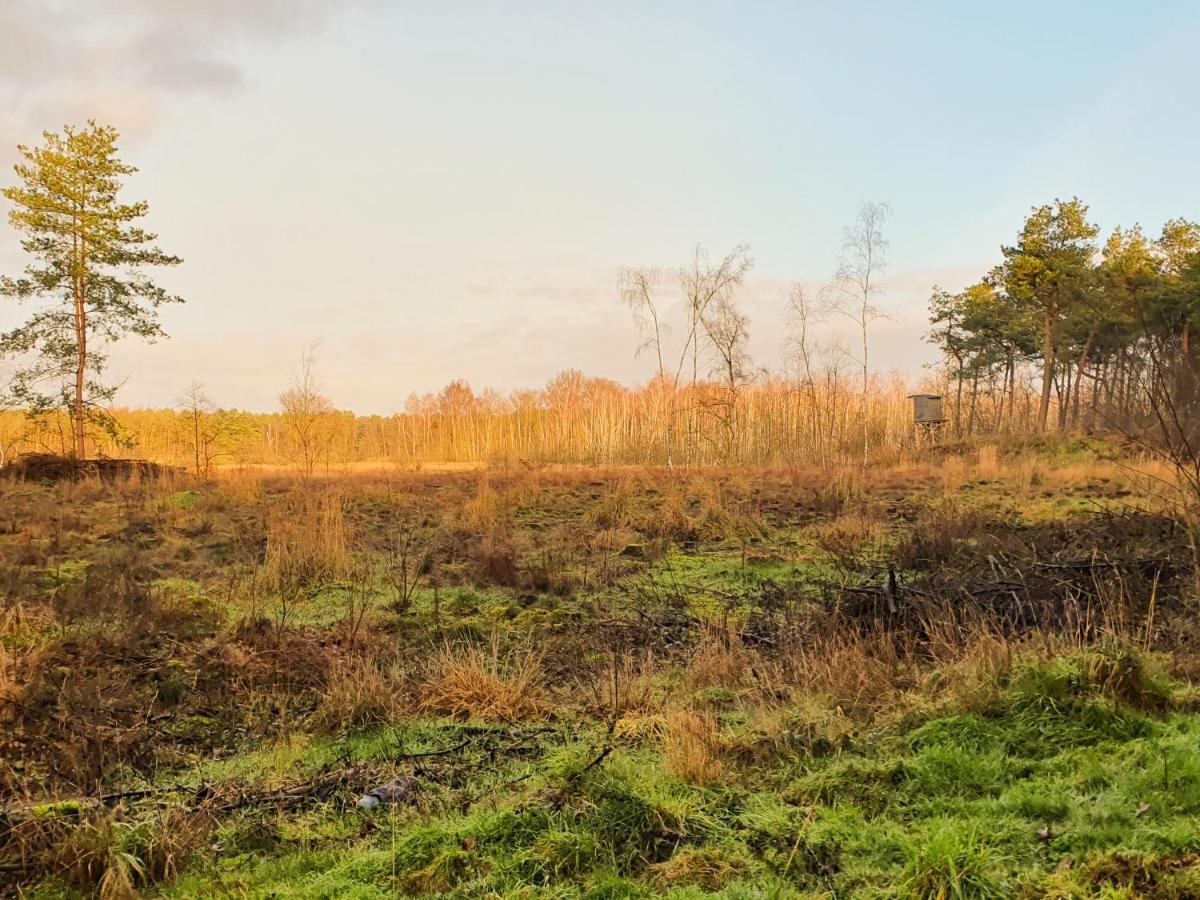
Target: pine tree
1049,272
87,254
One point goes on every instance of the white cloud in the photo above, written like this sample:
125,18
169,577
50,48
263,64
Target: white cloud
123,60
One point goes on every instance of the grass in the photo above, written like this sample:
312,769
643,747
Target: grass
604,684
475,681
934,809
925,822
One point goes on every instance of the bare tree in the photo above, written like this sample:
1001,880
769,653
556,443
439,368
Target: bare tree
707,288
196,406
307,413
637,291
703,284
728,332
856,285
412,545
801,352
210,432
799,348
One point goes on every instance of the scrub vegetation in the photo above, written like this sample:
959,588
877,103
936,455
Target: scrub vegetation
967,675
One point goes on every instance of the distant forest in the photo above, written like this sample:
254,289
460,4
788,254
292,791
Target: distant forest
1064,335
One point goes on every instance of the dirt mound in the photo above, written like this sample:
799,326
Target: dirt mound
52,467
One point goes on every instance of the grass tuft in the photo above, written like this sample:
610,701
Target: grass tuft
950,863
481,681
692,746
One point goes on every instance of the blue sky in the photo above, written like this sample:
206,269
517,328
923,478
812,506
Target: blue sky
443,190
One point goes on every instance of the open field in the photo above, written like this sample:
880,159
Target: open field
592,452
969,676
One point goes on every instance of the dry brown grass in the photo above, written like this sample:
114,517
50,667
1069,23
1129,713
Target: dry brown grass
721,658
692,746
940,529
987,463
174,838
16,666
481,681
307,539
1030,475
89,857
623,688
954,475
706,867
805,725
860,671
360,692
670,519
102,853
612,512
970,674
845,537
484,510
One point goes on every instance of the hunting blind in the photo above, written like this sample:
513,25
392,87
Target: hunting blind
927,409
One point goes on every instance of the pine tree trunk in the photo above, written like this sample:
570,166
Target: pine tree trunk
1047,370
77,406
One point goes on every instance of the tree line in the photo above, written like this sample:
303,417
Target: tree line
1104,334
573,419
1062,334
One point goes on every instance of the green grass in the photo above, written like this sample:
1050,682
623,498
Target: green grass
1072,777
984,802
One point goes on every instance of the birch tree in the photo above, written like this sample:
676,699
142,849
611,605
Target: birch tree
856,287
704,286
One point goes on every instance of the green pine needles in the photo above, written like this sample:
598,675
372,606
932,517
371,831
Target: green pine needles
87,268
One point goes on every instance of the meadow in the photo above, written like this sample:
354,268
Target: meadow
966,673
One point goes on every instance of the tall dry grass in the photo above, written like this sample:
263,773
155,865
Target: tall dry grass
308,539
485,681
362,691
692,746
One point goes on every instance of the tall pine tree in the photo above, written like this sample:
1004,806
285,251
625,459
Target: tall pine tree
1049,273
87,264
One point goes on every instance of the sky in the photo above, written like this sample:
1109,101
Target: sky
444,190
